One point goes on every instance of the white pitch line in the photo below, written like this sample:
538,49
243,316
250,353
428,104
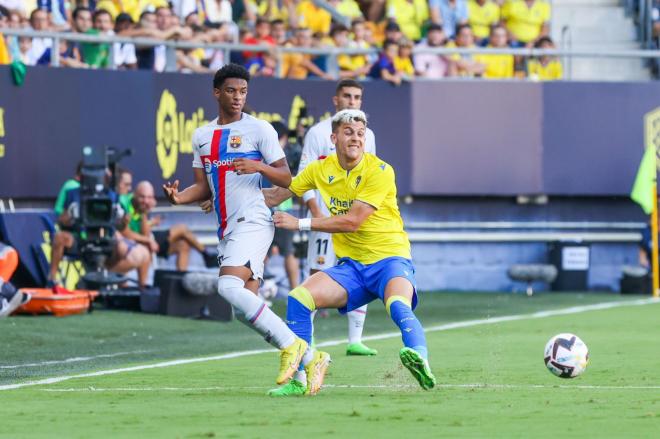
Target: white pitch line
484,386
446,327
70,360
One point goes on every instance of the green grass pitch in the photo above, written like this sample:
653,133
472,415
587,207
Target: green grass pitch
492,381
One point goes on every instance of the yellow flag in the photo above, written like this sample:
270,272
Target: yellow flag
642,191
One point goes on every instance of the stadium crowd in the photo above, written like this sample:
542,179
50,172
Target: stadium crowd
391,27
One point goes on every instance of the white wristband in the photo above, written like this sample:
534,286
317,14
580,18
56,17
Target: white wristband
305,224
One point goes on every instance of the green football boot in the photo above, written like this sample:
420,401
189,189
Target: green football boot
360,349
418,366
292,388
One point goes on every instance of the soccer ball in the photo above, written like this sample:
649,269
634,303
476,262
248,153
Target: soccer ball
566,356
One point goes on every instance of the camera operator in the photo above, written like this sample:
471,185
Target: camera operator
125,254
177,240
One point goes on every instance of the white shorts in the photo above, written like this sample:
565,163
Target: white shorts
247,245
320,253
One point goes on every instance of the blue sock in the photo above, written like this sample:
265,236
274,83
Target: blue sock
299,313
412,332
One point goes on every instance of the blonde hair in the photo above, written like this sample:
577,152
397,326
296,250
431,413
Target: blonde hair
348,116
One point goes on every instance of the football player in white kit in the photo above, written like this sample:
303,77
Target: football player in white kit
231,154
320,254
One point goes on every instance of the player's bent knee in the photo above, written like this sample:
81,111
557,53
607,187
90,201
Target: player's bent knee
395,298
231,287
302,295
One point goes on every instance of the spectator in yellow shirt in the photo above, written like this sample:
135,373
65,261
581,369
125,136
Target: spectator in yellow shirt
347,8
403,62
482,16
466,65
545,68
349,66
527,20
410,15
359,38
497,66
134,8
276,10
4,52
299,65
313,18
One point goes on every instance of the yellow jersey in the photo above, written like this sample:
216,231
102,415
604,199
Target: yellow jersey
553,70
498,66
372,182
134,8
4,52
410,15
481,18
405,66
525,22
313,17
349,8
276,12
292,65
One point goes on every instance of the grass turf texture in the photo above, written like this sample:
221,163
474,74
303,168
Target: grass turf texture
226,398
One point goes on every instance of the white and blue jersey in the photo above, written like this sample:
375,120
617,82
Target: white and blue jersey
236,198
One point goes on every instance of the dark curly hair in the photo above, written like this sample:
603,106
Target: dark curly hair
230,71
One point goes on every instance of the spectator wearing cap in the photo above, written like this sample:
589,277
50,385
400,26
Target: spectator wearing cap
482,16
466,65
410,15
545,68
299,65
527,20
430,65
384,67
497,66
449,13
312,17
392,31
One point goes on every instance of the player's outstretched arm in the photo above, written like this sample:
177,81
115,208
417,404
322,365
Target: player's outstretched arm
198,191
347,223
276,195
